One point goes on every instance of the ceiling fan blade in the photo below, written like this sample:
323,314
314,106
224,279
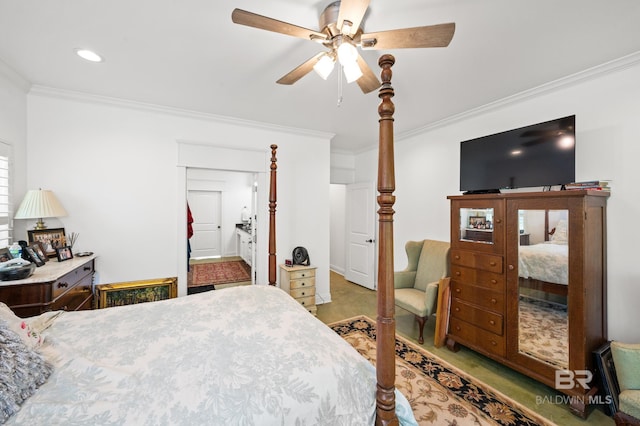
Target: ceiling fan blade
254,20
300,71
430,36
369,81
352,11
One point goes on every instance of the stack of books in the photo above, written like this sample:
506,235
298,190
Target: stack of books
598,185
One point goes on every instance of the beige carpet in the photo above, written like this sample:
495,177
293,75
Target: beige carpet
439,393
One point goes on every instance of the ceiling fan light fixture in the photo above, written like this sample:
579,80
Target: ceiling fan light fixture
347,53
324,66
89,55
352,71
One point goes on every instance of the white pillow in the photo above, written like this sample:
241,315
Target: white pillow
21,327
561,235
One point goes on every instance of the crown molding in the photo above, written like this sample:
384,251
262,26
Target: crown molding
52,92
571,80
14,77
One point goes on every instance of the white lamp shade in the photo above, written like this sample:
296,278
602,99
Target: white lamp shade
324,66
40,203
352,72
347,53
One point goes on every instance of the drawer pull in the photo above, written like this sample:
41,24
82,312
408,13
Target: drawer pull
492,263
511,267
457,290
457,309
303,293
493,342
63,285
492,322
458,273
303,275
494,281
457,257
498,220
87,268
302,302
457,328
493,300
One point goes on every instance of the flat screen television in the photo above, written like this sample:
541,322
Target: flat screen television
541,154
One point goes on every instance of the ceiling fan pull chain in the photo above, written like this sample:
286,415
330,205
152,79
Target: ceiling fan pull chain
339,89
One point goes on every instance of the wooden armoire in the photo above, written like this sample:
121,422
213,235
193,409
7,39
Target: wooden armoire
536,304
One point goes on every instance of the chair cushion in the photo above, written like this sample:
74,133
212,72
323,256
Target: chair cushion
433,263
626,358
629,402
412,300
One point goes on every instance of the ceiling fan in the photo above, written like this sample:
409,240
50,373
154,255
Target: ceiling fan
340,32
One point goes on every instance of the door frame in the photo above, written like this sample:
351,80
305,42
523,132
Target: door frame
208,156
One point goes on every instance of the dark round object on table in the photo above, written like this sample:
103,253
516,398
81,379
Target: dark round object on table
16,272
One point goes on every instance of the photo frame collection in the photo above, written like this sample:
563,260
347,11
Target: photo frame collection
606,373
49,239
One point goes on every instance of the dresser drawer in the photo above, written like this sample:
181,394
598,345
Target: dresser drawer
65,282
489,280
307,301
486,320
477,337
306,273
303,291
479,296
302,283
487,262
78,297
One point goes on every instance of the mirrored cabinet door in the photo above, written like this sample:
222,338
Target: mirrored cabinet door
543,279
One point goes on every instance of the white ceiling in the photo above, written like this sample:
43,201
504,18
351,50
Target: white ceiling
189,55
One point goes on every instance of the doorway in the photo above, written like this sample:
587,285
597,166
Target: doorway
205,208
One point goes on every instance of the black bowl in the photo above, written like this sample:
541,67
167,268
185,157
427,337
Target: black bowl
17,272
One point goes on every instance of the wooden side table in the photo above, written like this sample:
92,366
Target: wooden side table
300,282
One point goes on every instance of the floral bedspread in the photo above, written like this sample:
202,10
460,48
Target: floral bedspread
246,355
546,262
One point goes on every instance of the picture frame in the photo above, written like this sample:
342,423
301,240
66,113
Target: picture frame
32,255
477,222
132,292
64,253
39,249
5,255
606,372
50,239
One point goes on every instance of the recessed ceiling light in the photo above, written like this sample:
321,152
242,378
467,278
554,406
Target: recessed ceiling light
89,55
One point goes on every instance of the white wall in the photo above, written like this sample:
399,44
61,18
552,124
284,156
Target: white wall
13,126
338,228
607,107
113,165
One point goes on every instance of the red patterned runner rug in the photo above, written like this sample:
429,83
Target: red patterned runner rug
439,393
234,271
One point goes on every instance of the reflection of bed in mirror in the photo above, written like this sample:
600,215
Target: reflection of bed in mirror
543,271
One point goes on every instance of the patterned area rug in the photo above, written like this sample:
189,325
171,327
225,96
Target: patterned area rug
544,331
439,393
218,273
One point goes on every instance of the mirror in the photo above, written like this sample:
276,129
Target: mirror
476,225
543,277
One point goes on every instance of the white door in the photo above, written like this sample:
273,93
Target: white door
360,224
205,208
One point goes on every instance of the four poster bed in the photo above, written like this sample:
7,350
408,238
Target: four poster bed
243,355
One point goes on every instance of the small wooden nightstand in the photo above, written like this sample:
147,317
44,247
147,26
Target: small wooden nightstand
300,282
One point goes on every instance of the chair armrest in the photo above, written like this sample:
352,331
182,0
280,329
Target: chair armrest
431,297
404,279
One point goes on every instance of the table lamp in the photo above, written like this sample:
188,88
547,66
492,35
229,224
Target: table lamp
39,204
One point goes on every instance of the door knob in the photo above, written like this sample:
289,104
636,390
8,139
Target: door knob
368,241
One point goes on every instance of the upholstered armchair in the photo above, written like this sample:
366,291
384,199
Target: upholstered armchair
626,359
416,287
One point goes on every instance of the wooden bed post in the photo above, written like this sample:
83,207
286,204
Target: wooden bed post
272,217
385,325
